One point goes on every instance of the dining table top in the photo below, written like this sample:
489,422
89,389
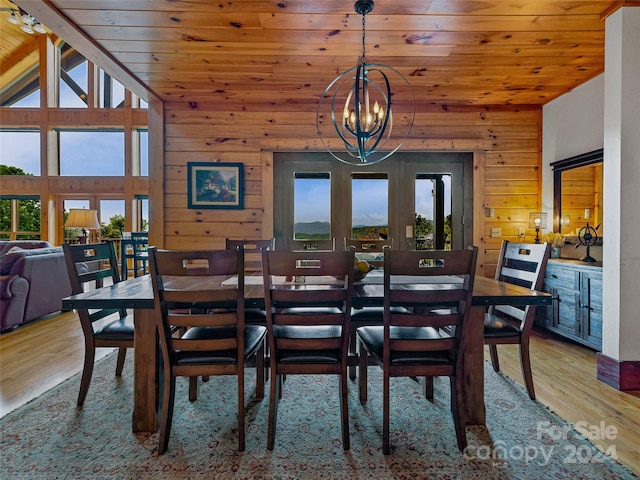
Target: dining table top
138,293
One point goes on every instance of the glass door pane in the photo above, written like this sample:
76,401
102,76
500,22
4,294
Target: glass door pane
433,211
312,206
369,207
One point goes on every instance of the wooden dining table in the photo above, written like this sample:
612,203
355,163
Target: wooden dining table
137,294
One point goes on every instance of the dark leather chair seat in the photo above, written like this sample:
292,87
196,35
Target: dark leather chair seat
496,327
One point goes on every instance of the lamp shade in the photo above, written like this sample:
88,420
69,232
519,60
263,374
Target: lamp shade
82,218
538,220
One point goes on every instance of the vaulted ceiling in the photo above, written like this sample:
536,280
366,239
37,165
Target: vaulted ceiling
470,52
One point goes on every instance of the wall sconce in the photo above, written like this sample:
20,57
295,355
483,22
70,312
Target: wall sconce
538,220
84,219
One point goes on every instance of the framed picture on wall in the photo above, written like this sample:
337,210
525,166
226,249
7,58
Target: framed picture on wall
215,185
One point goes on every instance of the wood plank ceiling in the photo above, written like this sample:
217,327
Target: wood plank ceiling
464,52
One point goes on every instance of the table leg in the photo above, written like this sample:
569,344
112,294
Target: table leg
473,411
145,391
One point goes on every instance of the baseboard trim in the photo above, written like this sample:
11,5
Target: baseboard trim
622,376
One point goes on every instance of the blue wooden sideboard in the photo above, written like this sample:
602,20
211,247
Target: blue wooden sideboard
576,311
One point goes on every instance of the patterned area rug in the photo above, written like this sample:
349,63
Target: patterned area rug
49,438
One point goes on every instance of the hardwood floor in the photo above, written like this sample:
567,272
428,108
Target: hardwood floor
40,355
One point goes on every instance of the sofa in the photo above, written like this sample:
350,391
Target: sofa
33,281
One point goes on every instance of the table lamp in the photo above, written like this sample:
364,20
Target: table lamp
84,219
537,220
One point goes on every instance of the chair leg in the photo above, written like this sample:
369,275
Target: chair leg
456,401
274,398
193,389
241,431
493,351
428,388
363,364
344,410
122,353
525,365
87,373
352,351
166,417
260,372
386,448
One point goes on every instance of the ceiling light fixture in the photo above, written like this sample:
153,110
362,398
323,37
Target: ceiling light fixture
355,111
13,18
26,22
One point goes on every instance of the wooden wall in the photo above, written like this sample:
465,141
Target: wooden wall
507,177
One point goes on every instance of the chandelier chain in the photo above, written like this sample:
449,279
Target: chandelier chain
364,56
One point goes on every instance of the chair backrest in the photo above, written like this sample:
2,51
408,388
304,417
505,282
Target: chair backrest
372,251
295,245
92,266
422,279
252,251
188,289
522,264
139,242
308,279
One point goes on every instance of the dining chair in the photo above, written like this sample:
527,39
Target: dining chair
308,297
522,264
252,251
253,257
140,245
92,266
371,252
413,344
253,265
187,287
328,244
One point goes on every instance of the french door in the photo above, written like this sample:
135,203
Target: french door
419,200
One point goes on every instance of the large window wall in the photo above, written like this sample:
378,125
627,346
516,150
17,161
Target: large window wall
87,144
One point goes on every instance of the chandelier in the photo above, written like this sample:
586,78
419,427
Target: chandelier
355,118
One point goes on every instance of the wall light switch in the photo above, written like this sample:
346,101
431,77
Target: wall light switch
496,232
408,231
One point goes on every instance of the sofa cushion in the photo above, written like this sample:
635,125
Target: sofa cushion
8,259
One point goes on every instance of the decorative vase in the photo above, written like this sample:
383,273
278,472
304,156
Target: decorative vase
555,252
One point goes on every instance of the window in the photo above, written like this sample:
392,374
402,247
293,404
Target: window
20,217
73,79
21,149
143,151
369,206
111,91
111,216
91,153
143,202
433,211
312,206
24,90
